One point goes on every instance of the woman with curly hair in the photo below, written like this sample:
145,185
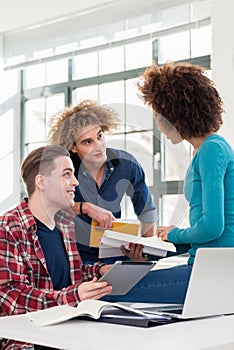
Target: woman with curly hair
105,175
187,106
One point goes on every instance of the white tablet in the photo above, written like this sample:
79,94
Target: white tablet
123,275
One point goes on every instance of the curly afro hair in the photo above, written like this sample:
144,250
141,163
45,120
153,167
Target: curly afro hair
64,126
183,95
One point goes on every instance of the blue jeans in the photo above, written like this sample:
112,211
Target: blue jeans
158,286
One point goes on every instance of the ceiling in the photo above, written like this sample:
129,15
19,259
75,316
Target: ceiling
15,15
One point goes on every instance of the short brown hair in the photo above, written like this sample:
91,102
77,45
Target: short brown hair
40,161
64,125
183,95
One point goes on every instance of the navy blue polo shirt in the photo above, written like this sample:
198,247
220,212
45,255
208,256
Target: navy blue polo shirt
123,175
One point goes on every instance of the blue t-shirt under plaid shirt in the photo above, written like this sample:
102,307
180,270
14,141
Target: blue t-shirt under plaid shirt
55,255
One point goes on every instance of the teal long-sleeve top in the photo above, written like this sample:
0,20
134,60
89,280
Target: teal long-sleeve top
209,189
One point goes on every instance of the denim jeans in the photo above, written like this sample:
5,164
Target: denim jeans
158,286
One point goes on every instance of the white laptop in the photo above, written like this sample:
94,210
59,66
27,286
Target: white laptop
211,287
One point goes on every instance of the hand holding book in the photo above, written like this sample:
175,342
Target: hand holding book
111,244
134,252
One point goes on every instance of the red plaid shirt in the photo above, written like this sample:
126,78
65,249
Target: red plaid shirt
25,283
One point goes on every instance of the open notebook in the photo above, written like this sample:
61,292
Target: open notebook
211,287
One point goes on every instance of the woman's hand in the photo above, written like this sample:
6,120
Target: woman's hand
102,216
93,289
135,252
162,232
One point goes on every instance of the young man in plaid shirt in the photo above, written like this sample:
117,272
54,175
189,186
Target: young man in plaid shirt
40,264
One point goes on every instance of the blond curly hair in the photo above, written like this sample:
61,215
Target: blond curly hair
64,126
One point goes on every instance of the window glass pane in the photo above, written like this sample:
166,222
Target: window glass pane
200,9
138,54
6,139
141,146
9,153
54,104
35,130
111,60
93,41
9,85
84,93
201,47
175,160
14,60
6,186
175,16
57,71
115,140
174,47
6,154
134,24
66,48
40,54
137,114
35,76
113,94
85,65
31,146
138,118
132,91
208,73
175,211
127,210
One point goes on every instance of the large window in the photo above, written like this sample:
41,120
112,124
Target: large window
104,64
9,140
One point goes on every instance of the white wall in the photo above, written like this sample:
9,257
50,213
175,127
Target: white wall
222,20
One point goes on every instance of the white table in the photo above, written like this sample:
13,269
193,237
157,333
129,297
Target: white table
213,333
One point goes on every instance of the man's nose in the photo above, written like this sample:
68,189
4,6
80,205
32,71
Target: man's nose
75,181
98,143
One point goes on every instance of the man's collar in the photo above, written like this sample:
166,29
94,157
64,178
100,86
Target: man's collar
111,156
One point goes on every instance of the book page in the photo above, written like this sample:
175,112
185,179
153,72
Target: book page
95,307
155,242
53,315
112,241
171,261
90,307
111,247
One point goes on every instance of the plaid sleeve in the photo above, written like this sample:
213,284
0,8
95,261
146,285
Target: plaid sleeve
90,271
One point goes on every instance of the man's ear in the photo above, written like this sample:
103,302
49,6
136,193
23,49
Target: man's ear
73,148
40,182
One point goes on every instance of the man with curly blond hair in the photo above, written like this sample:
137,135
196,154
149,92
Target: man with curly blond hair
105,175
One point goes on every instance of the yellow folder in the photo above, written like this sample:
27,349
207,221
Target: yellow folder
118,225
